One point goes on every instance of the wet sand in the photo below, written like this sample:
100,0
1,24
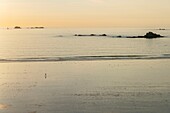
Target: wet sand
118,86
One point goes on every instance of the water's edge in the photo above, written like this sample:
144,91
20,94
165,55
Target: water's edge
87,58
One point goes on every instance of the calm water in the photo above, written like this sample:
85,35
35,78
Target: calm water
140,83
49,44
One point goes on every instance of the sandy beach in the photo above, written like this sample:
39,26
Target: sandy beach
84,56
117,86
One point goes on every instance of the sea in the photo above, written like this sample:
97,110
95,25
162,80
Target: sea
50,44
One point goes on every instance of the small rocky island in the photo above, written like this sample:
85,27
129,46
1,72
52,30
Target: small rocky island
148,35
17,27
36,28
152,35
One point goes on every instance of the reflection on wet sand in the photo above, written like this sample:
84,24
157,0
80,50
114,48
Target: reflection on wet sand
105,86
3,106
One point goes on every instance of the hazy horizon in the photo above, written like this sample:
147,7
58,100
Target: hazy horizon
85,13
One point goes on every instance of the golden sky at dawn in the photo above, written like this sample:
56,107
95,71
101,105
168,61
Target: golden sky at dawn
85,13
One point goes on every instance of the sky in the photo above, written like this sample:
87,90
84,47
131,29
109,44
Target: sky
85,13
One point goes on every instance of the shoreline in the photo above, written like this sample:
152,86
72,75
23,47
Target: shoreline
88,58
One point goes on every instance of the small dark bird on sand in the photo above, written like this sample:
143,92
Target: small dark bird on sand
45,75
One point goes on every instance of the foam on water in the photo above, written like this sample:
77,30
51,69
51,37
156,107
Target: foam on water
87,58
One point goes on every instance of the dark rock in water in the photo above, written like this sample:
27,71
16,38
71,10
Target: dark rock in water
79,35
119,36
135,37
161,29
103,35
148,35
90,35
152,35
36,27
140,37
39,27
17,27
132,37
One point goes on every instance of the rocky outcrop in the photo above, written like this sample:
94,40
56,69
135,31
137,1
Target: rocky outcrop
161,29
152,35
119,36
149,35
17,27
90,35
36,27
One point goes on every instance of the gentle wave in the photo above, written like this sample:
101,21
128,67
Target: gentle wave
86,58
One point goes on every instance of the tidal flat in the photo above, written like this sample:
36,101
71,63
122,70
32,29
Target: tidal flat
111,86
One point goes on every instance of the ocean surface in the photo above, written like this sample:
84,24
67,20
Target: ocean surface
60,44
53,71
